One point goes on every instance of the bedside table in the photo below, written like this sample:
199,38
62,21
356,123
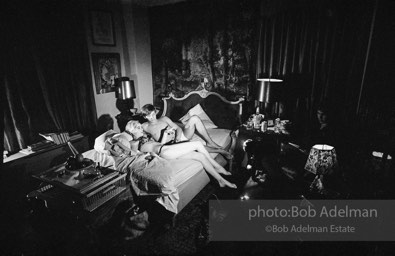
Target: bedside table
268,137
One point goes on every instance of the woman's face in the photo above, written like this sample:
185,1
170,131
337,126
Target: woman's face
134,129
137,128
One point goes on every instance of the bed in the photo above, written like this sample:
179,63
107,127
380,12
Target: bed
220,116
225,114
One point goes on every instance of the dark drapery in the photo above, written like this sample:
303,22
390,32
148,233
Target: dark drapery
318,48
332,49
47,80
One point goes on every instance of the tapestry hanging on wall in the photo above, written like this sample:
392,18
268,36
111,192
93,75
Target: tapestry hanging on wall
205,44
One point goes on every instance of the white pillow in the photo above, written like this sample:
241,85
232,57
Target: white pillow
100,142
197,110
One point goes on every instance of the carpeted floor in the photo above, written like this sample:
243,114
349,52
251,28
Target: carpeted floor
189,235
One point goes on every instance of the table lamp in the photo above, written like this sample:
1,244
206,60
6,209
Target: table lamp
266,91
321,161
125,93
124,88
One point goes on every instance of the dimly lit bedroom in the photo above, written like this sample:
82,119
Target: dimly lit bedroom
198,127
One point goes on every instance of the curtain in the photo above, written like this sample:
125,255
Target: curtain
318,48
47,80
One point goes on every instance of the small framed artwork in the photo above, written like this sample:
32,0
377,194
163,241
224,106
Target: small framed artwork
102,27
106,67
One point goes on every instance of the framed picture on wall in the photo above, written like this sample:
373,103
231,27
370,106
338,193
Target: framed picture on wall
102,27
106,67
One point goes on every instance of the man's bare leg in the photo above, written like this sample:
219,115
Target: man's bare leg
195,124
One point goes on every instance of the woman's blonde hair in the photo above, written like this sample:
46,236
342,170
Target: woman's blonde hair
131,125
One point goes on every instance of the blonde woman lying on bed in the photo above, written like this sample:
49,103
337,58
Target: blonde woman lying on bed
194,150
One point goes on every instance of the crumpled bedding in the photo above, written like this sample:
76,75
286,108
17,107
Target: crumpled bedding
151,176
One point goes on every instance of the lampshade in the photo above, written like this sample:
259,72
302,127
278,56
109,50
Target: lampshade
321,159
124,88
273,80
265,89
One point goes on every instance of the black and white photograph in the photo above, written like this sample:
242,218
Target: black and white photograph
198,127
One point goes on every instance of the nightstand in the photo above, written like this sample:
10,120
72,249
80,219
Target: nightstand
268,138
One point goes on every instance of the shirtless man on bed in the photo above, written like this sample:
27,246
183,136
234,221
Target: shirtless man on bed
159,128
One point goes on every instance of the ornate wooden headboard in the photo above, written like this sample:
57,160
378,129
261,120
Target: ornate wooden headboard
224,113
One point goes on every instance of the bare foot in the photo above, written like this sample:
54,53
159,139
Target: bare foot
222,183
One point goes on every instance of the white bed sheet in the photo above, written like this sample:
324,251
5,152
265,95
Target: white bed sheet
184,169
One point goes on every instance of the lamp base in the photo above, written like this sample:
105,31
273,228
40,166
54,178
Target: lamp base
270,110
317,184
